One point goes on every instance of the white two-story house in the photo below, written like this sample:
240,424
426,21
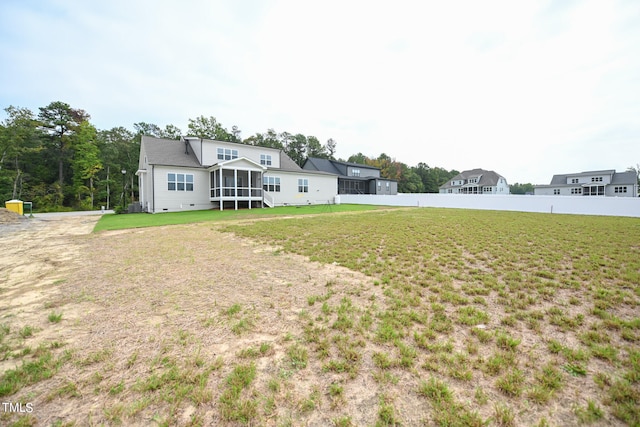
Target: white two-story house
592,183
195,173
476,181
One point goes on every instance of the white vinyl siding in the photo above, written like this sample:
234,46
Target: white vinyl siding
174,200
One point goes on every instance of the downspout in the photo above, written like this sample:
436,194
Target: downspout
153,189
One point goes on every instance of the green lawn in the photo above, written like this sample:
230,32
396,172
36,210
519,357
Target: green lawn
525,308
118,222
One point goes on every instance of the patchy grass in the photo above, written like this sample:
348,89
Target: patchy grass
431,317
547,301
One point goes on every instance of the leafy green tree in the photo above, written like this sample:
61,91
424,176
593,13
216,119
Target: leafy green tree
358,158
60,123
269,139
410,181
330,148
433,178
142,128
85,164
521,188
285,139
209,128
257,140
119,150
235,134
297,148
19,136
171,132
315,149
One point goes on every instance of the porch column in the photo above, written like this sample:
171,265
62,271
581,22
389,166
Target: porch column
249,189
221,190
235,187
141,189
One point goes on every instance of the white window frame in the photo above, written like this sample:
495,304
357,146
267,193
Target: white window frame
265,159
355,172
303,185
180,181
227,153
271,183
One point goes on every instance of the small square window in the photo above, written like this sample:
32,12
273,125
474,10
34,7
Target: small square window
265,159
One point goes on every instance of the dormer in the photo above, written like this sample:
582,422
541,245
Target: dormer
474,179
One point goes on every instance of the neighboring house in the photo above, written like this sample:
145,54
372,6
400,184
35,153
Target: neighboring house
593,183
476,181
196,173
353,178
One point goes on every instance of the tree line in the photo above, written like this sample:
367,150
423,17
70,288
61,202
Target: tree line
59,160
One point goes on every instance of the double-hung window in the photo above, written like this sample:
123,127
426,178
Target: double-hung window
227,154
271,183
179,181
265,159
303,185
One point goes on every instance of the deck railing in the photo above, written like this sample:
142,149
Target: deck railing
236,192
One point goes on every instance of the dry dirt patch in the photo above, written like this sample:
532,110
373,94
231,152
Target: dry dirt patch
136,301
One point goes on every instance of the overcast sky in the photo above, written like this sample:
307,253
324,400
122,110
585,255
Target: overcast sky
525,88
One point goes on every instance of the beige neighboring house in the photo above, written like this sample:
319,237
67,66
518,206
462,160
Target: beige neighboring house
476,181
606,183
194,173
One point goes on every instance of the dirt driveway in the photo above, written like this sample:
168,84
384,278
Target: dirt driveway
139,305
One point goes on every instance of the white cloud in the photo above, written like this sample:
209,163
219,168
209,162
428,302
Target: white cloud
527,89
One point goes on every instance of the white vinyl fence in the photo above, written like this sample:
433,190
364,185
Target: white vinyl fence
581,205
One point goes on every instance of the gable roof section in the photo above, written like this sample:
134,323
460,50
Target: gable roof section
336,167
487,178
168,152
238,162
287,163
619,178
324,165
628,178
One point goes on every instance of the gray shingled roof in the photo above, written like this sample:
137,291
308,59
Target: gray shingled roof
336,167
287,163
324,165
168,152
488,178
628,178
